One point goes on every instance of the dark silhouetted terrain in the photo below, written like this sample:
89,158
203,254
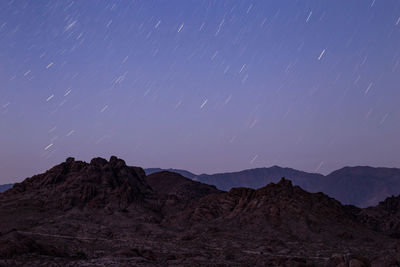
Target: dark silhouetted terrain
110,214
362,186
257,178
359,186
4,187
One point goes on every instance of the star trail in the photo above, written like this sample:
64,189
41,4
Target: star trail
207,86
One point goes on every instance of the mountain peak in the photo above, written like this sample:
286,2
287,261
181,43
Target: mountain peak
96,184
285,182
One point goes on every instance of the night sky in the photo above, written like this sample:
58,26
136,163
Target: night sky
206,86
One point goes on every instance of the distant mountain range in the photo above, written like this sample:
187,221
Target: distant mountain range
360,186
184,173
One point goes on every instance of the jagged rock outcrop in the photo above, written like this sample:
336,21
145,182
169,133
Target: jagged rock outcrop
77,184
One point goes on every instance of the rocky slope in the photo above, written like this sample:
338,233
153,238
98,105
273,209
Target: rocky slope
5,187
385,217
107,213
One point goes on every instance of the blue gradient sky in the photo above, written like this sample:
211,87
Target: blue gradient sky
207,86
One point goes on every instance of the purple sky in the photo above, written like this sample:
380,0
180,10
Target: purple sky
207,86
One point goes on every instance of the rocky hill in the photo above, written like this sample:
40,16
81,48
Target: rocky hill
100,184
110,214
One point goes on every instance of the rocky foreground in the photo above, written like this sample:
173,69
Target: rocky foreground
105,213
